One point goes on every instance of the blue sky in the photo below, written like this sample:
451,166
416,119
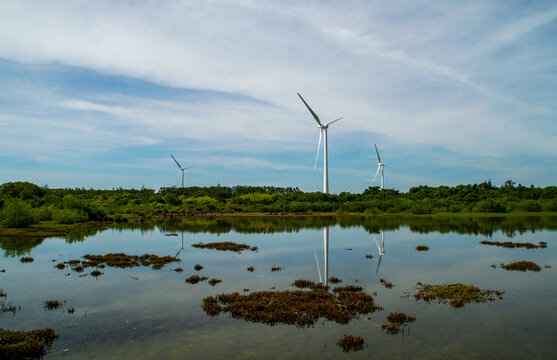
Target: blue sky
98,94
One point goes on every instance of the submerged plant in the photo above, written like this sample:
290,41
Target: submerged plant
251,269
511,245
276,268
334,280
194,279
422,248
26,259
52,305
386,283
351,342
214,281
198,267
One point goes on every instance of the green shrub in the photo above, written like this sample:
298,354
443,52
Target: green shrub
69,216
45,213
17,214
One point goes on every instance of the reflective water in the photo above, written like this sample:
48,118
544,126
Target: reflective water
141,313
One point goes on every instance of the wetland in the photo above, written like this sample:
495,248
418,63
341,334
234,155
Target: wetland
451,301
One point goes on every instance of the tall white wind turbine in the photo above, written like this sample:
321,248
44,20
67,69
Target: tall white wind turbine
181,169
380,166
322,134
380,248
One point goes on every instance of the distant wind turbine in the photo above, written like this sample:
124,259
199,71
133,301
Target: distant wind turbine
322,134
181,169
380,166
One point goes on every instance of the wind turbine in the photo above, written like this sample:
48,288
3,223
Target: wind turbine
325,279
380,166
181,169
322,134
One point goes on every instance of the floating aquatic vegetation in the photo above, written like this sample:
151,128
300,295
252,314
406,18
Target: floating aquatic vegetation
25,344
455,294
214,281
251,269
246,290
198,267
60,266
225,246
543,244
334,280
369,256
493,266
194,279
511,245
277,268
53,305
178,269
396,322
422,248
297,307
386,283
171,234
96,273
3,271
307,284
522,266
71,310
120,260
2,293
26,259
351,342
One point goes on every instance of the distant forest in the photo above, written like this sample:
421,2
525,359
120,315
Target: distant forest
23,204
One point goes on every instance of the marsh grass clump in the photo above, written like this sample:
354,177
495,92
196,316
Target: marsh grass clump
351,343
198,267
385,283
2,293
292,307
214,281
194,279
225,246
511,245
51,305
307,284
396,322
120,260
348,288
276,268
7,307
71,310
522,266
25,344
60,266
96,273
251,269
26,259
171,234
334,280
455,294
422,248
543,244
547,266
369,256
178,269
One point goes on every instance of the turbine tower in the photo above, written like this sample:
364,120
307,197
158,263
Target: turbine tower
380,248
181,169
380,166
322,134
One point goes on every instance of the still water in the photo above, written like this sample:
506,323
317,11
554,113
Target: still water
141,313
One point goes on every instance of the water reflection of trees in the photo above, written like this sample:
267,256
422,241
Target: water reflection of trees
473,225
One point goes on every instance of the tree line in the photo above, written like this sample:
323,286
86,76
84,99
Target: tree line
23,204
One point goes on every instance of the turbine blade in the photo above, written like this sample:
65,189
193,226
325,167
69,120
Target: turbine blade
189,167
311,111
318,148
330,122
317,263
177,163
377,151
378,263
377,243
377,172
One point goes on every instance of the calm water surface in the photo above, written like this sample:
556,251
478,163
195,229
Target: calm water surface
141,313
